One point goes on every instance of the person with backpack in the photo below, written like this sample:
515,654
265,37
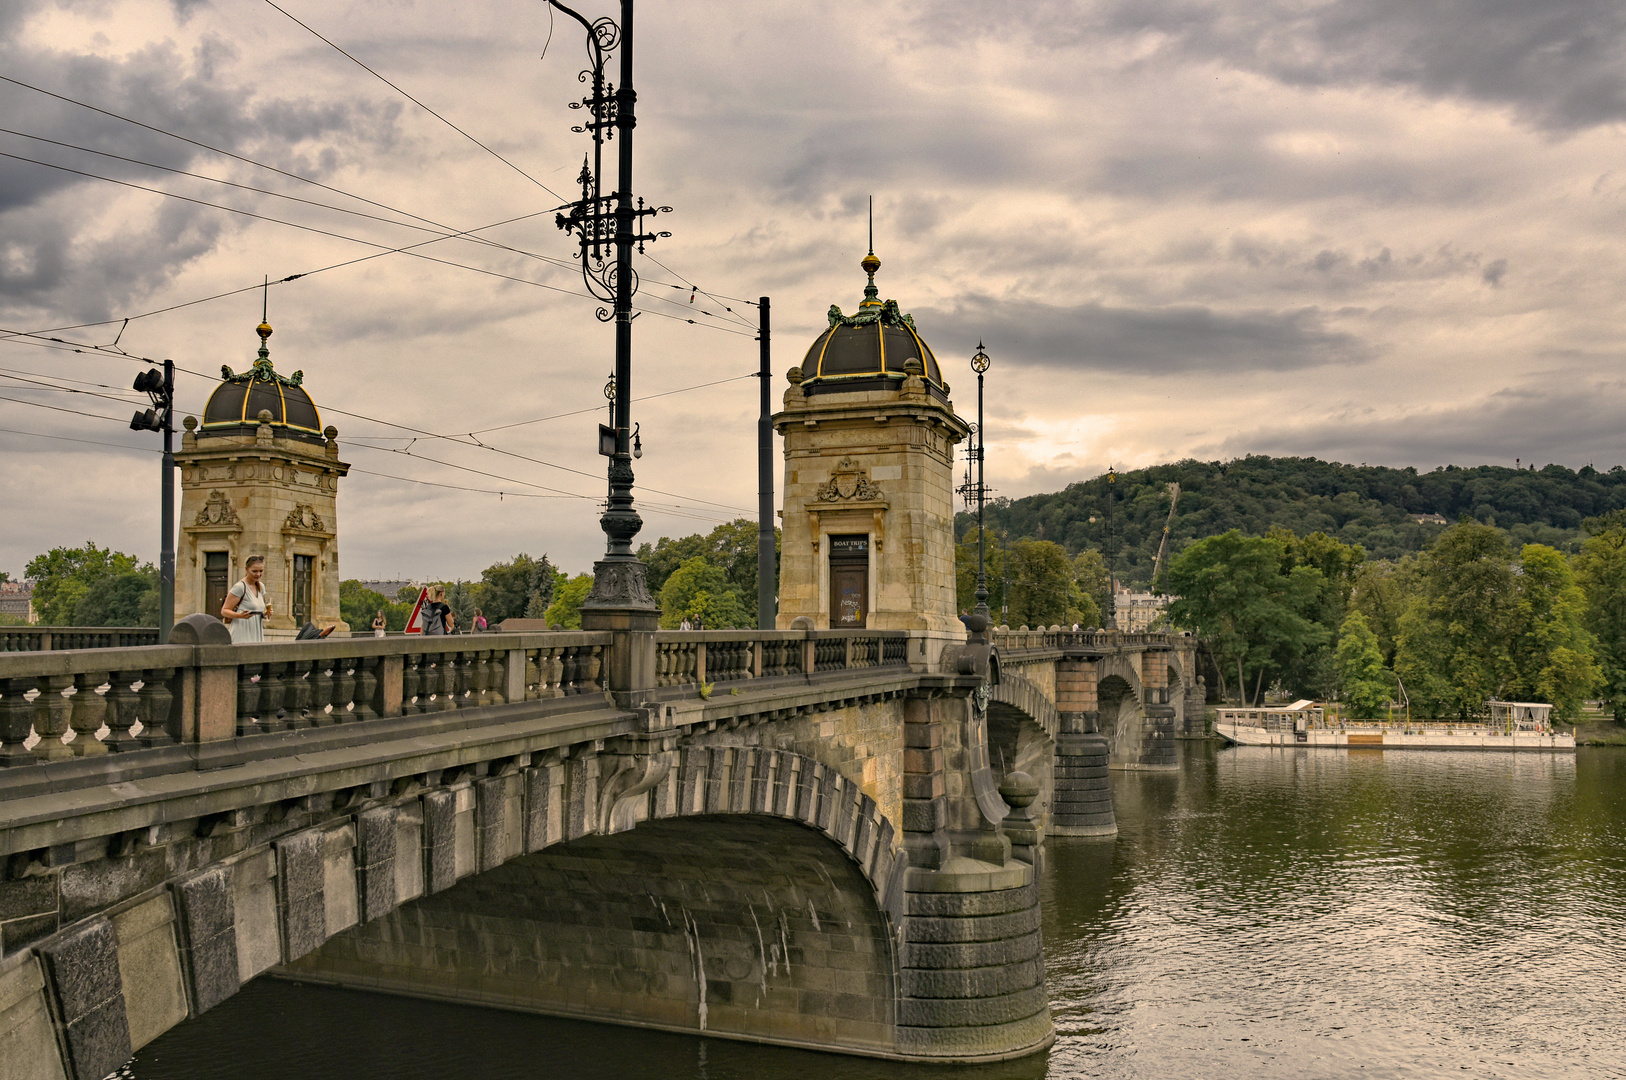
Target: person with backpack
435,611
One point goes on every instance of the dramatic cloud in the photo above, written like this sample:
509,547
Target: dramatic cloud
1370,230
1150,341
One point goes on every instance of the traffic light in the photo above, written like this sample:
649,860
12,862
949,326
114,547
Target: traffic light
152,383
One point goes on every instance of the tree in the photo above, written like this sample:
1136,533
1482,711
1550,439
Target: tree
699,590
1361,675
1090,571
731,547
1232,590
1455,639
512,590
1553,653
1382,591
1043,589
965,572
63,577
358,605
566,609
1600,570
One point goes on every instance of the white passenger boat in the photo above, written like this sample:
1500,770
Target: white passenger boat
1512,725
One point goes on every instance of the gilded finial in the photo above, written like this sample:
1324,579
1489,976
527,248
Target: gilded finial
870,263
264,330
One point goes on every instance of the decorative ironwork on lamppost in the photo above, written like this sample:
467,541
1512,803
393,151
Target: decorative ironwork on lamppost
609,225
1110,618
978,491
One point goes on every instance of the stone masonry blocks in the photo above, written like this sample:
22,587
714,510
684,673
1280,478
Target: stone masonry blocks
208,937
376,835
82,972
28,1045
150,969
301,877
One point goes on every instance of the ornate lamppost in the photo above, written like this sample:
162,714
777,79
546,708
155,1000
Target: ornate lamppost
1110,616
606,223
978,490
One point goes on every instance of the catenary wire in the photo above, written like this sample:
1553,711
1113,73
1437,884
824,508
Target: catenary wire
418,103
352,239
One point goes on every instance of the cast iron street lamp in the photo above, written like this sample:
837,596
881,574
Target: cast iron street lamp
978,490
605,224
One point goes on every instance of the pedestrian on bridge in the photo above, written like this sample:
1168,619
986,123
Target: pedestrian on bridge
247,607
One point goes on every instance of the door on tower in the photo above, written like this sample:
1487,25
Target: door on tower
849,581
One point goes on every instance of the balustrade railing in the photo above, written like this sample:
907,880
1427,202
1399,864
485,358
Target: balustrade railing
44,638
62,704
1057,638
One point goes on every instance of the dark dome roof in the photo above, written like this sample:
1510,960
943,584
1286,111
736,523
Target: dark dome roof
235,406
872,344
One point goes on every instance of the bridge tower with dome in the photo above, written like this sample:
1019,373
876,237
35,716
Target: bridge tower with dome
260,476
869,430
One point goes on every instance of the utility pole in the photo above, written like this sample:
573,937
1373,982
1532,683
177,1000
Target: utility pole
604,224
767,580
160,387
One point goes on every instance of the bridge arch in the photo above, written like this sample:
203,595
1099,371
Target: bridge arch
739,925
1022,727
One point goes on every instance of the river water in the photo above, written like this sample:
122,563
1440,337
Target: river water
1262,913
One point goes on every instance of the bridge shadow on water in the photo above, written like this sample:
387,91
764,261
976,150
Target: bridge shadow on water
278,1030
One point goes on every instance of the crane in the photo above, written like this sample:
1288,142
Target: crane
1163,545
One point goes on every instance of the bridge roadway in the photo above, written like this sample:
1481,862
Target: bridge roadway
800,837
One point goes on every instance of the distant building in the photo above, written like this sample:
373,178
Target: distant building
17,599
1428,519
1139,611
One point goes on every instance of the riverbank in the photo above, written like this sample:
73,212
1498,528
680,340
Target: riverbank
1600,733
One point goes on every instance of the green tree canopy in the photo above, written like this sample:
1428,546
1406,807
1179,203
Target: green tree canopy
566,609
1553,652
357,605
1362,678
1600,569
1044,589
511,590
1232,590
731,547
1455,646
699,590
92,583
965,572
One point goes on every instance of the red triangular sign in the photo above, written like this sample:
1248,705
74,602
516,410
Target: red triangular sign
415,620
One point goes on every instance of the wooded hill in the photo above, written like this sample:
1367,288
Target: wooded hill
1357,504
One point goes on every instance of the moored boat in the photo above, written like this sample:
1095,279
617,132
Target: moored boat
1512,725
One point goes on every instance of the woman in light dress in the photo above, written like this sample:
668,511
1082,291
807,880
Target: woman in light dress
247,607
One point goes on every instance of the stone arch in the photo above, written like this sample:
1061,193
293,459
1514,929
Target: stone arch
734,891
736,925
188,944
1022,729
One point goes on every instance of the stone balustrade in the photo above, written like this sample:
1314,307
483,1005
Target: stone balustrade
693,657
61,704
45,638
1056,637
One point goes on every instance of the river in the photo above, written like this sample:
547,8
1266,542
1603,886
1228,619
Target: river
1262,913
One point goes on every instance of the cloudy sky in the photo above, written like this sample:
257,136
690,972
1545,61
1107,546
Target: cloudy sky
1371,230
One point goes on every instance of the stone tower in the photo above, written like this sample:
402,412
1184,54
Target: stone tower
259,476
869,433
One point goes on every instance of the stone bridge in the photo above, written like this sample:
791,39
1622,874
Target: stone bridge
801,837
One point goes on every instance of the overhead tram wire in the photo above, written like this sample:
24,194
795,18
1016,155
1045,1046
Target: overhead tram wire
340,191
419,432
340,236
280,281
349,56
87,442
415,101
